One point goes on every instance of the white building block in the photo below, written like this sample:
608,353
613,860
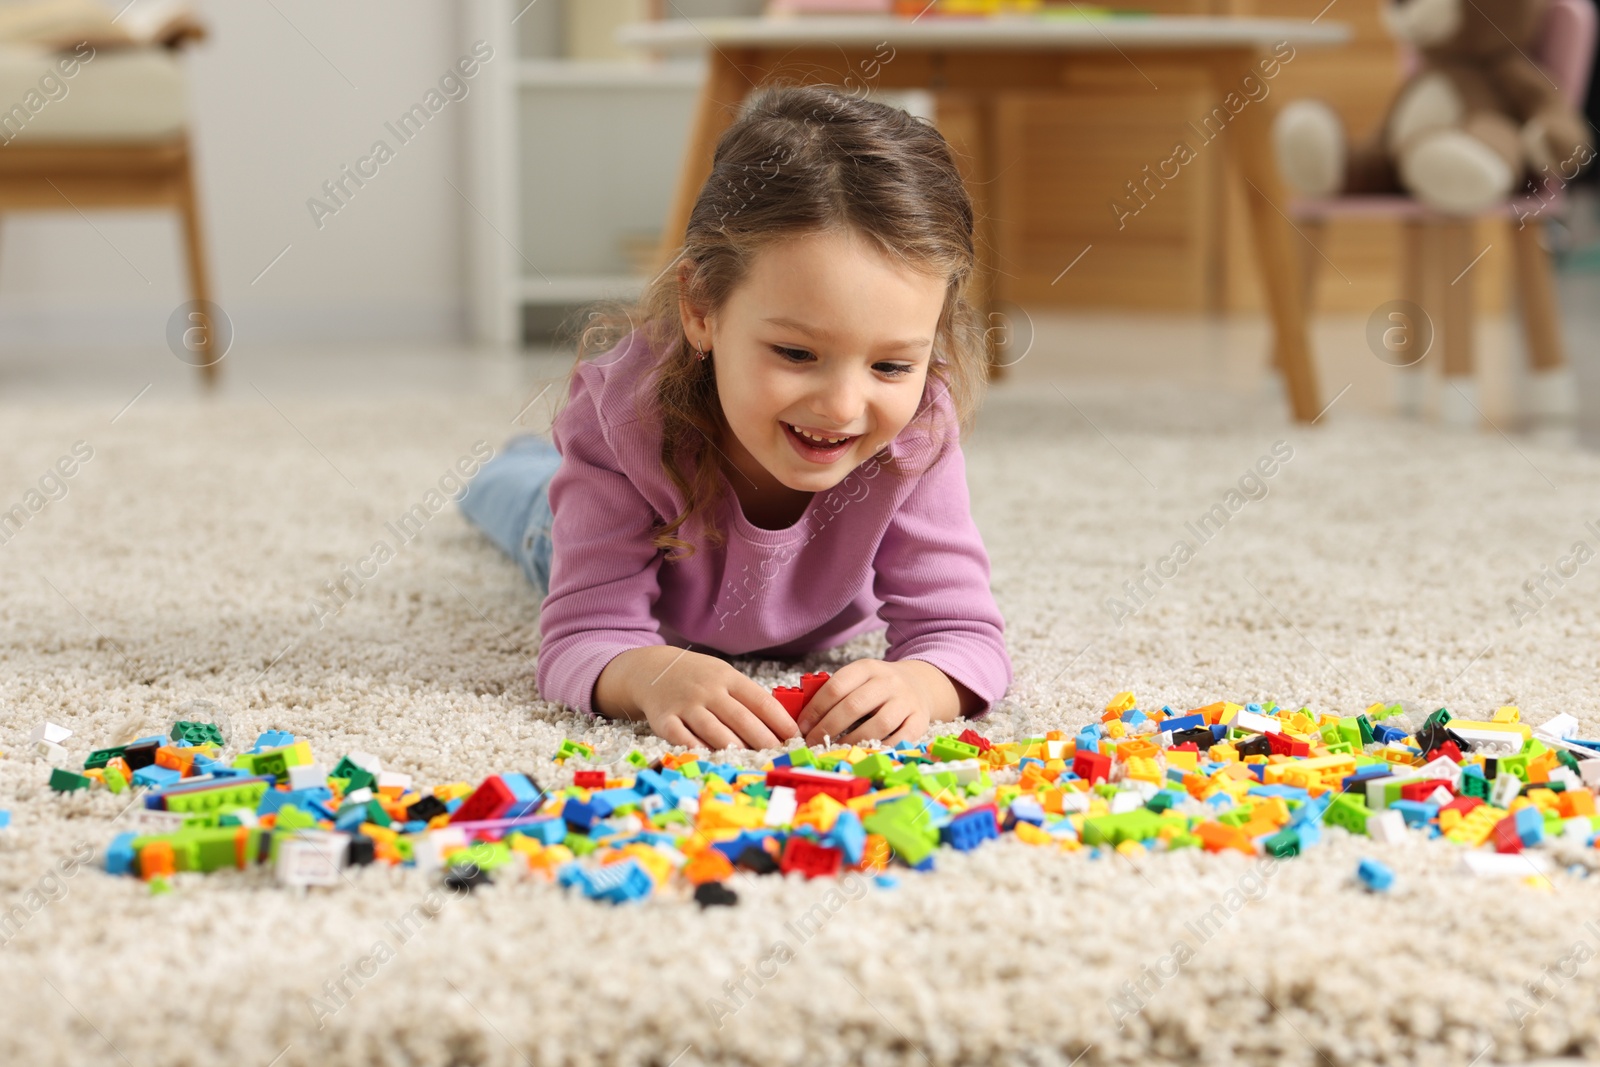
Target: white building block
49,731
781,806
1387,826
307,776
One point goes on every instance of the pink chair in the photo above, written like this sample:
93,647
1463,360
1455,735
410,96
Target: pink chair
1437,248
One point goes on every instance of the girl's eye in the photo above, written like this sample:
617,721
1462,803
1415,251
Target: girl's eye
894,370
793,355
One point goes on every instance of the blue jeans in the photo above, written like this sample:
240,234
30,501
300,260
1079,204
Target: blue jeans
509,500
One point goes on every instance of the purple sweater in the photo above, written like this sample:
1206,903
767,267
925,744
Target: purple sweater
894,543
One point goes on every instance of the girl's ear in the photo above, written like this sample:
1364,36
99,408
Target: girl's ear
696,320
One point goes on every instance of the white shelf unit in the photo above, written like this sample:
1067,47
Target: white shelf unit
568,159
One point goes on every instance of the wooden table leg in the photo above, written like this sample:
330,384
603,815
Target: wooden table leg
199,276
1541,321
967,121
729,78
1274,240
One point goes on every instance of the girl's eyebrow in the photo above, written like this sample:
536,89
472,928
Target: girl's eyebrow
802,328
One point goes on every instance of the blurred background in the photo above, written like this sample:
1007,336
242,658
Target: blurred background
542,180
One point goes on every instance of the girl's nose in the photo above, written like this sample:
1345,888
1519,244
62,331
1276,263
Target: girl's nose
839,401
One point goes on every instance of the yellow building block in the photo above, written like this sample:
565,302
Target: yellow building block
720,815
1120,703
821,812
1475,828
1188,761
1508,713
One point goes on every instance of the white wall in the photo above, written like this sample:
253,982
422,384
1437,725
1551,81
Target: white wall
280,102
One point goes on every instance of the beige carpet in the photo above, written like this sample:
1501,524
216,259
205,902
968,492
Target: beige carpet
183,562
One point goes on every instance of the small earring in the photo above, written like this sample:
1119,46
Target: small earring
700,349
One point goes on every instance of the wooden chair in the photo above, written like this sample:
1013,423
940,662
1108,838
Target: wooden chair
73,173
1437,249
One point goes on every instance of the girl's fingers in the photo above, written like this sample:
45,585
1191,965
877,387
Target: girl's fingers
710,729
674,732
753,733
909,730
884,722
764,706
823,701
862,701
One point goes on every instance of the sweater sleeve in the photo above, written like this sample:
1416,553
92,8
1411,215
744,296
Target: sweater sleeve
932,576
604,568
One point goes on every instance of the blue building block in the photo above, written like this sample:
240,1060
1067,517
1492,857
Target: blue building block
272,739
966,832
157,777
1383,733
1183,722
615,882
350,817
1027,809
1374,875
578,814
528,795
609,800
848,836
119,854
1530,826
5,819
1133,717
545,831
1418,812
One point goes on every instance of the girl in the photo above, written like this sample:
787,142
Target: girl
769,464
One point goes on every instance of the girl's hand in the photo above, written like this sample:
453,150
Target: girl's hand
692,699
875,700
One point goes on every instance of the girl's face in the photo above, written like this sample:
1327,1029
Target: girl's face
820,354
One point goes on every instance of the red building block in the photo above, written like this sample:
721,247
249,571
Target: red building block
489,801
1284,745
1505,836
810,859
1091,766
1463,804
590,779
1424,789
973,737
792,698
1449,748
806,785
810,683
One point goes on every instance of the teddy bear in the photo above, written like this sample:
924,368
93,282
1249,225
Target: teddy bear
1464,131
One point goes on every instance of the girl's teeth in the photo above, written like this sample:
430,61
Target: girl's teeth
820,440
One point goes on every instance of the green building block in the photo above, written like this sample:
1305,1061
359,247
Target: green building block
638,760
247,795
876,766
908,775
115,781
692,770
291,817
376,815
758,790
1517,765
1137,825
1284,843
102,756
1440,717
1347,811
1238,816
904,824
947,749
1184,840
1364,724
1350,731
1341,748
1475,785
827,763
801,757
196,733
65,781
570,748
580,844
1388,713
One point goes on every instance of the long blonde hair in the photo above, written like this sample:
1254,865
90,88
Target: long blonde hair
797,160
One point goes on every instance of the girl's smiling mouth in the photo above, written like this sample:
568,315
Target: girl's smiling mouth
818,447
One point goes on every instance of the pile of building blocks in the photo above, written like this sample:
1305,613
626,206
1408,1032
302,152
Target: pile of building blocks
1255,779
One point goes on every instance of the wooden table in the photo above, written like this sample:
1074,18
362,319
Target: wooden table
967,63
